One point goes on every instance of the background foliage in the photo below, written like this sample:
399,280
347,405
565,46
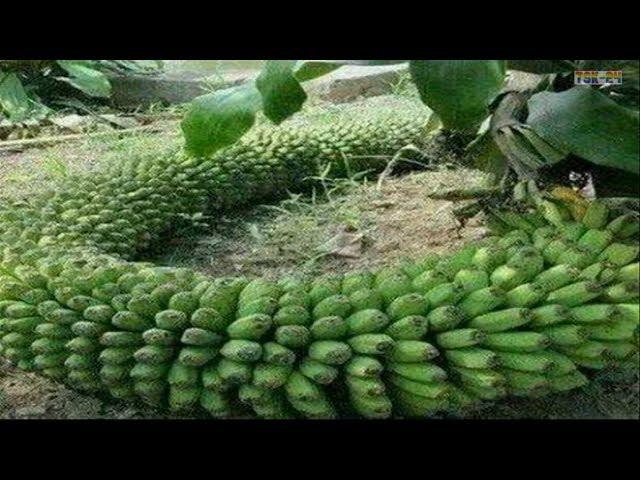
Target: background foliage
530,129
29,87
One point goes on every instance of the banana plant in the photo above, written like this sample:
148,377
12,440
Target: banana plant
530,130
26,84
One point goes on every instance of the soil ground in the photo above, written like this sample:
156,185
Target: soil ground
345,225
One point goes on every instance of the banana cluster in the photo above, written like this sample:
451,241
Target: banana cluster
128,205
524,313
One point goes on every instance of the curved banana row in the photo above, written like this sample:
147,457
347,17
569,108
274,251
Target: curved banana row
518,314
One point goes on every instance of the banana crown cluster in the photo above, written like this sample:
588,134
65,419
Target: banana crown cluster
523,313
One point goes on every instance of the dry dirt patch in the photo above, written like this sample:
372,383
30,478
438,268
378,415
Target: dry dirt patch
366,226
28,396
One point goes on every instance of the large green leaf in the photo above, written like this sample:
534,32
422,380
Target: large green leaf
279,82
85,78
14,101
524,150
282,95
220,119
586,123
459,91
626,94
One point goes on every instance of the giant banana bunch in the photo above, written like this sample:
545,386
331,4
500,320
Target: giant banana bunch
523,313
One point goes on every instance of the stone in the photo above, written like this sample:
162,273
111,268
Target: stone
74,122
343,85
143,90
345,243
352,82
